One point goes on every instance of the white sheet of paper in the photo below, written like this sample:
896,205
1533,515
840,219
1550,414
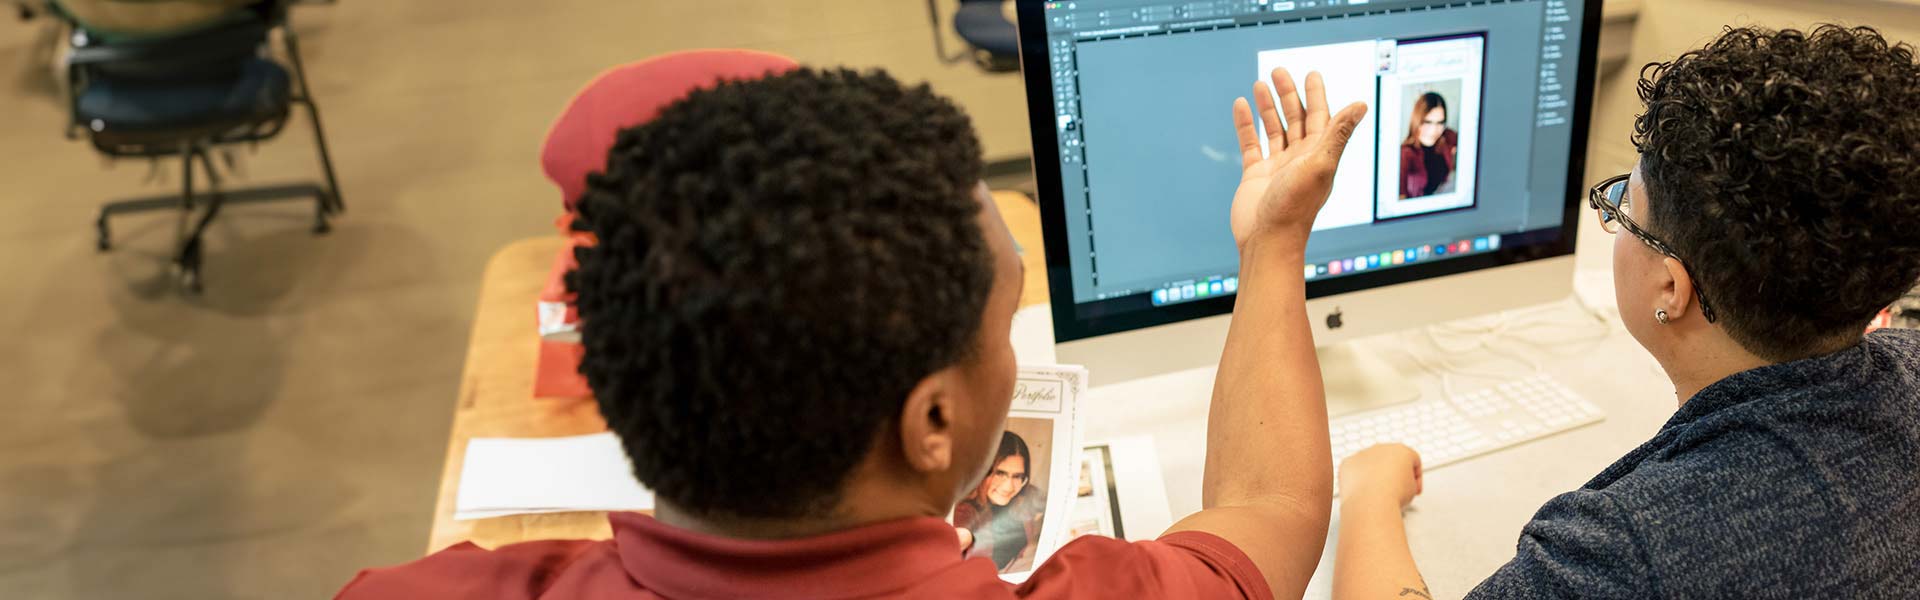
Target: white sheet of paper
1044,417
1033,335
505,476
1141,487
1347,69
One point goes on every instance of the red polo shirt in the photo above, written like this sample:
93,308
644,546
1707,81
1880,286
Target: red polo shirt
908,558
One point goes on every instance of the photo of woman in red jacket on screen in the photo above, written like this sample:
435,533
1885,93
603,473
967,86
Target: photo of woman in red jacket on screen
1431,150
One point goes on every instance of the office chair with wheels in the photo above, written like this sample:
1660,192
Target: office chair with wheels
994,44
189,96
992,40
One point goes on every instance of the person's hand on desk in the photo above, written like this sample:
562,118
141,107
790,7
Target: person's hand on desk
1373,560
1383,472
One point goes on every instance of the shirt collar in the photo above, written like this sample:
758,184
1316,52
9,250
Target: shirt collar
865,561
1773,380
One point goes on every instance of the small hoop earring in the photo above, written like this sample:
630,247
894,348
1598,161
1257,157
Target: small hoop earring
1660,315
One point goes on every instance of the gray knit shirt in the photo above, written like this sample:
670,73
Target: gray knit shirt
1796,480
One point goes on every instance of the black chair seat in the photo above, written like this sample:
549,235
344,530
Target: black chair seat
258,91
191,95
985,26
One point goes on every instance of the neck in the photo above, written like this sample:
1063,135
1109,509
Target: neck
866,499
1706,362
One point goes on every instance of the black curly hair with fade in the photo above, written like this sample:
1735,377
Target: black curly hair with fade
1785,171
779,262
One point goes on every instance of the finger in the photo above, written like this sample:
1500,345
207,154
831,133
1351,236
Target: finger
1270,118
1316,121
1243,127
1341,130
1290,104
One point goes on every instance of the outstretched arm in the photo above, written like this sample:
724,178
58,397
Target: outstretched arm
1268,483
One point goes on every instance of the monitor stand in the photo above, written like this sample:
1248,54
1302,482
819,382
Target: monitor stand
1359,379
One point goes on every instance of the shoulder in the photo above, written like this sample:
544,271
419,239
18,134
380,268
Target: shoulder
1726,495
1760,497
464,570
1180,565
1726,464
1897,343
1897,352
1580,544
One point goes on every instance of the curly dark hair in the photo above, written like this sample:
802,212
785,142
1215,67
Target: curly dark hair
1785,170
779,262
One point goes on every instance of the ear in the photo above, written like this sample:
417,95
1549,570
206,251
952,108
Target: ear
927,421
1677,297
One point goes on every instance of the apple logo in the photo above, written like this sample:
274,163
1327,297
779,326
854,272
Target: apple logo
1334,319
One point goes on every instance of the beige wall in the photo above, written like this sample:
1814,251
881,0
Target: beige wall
1668,27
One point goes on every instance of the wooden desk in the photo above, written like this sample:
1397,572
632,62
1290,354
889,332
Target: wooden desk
495,398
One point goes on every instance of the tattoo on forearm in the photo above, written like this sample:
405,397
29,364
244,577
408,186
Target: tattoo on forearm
1420,592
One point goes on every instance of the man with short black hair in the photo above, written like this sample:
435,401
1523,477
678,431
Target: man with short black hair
796,319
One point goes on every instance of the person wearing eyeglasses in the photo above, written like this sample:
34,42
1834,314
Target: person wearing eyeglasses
1428,155
1775,210
1000,519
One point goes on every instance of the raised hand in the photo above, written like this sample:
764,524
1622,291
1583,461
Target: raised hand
1283,189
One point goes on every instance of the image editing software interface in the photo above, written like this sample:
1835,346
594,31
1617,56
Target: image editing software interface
1465,148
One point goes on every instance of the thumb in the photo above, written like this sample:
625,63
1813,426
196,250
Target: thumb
1419,476
1335,143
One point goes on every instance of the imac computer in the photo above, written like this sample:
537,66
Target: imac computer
1457,196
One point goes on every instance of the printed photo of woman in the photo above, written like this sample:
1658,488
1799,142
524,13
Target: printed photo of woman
1430,152
1003,514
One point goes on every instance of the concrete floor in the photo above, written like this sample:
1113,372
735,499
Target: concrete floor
287,428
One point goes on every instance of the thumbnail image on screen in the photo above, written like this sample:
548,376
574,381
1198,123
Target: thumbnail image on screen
1419,154
1430,152
1430,146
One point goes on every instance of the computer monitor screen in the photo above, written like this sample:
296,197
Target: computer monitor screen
1470,156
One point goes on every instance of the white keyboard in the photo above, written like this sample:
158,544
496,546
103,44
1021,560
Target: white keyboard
1449,430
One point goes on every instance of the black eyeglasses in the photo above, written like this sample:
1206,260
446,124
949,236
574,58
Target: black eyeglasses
1018,479
1610,199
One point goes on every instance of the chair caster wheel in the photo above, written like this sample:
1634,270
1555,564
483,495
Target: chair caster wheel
322,227
190,283
187,268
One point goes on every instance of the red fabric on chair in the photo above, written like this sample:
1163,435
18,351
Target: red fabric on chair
632,94
577,144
